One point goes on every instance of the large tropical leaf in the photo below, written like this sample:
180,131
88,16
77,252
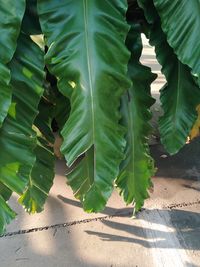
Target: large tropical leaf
137,167
87,54
17,139
181,22
11,14
181,95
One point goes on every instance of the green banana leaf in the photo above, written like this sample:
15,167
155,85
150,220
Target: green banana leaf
137,167
11,14
87,53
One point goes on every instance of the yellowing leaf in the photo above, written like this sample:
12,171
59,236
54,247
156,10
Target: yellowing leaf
196,127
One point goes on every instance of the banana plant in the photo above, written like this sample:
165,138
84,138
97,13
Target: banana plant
74,67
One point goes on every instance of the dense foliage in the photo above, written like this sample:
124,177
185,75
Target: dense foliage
74,66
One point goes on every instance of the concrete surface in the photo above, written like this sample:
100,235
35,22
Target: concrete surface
165,233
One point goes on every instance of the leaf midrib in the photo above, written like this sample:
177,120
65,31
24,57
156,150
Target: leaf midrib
85,8
132,139
177,98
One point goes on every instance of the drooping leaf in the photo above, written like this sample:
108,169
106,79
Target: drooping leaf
42,174
5,192
180,21
137,167
41,178
6,214
11,14
17,139
88,56
179,100
80,179
180,95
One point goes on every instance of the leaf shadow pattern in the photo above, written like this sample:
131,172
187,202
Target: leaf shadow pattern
54,247
185,225
156,229
107,211
188,264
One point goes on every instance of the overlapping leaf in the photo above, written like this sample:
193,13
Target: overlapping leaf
6,214
137,167
17,139
88,56
44,120
41,178
61,104
42,174
5,192
181,95
181,23
62,109
11,14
